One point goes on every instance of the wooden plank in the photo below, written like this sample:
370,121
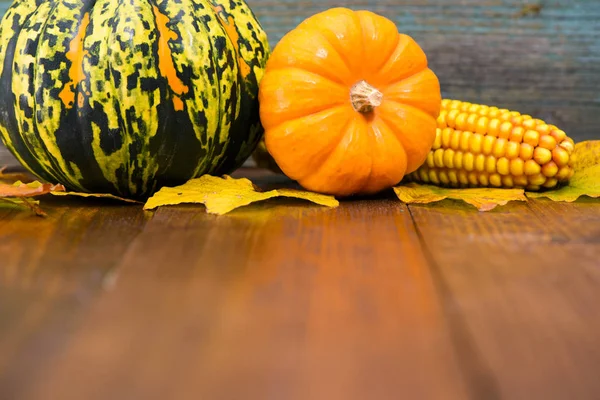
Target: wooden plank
50,270
525,283
268,302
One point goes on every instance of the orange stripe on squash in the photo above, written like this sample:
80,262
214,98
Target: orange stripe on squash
165,59
229,25
75,55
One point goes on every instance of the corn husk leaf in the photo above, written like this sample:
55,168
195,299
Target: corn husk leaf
222,195
586,177
484,199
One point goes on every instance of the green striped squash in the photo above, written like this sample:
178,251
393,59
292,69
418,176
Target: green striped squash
127,96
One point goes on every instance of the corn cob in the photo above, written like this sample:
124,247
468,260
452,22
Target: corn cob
483,146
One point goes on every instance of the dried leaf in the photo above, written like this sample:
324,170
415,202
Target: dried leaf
585,180
484,199
222,195
32,189
33,205
96,195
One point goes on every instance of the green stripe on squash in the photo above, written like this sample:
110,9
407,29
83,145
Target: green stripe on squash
124,97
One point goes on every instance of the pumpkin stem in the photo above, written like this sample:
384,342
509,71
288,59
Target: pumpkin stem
365,98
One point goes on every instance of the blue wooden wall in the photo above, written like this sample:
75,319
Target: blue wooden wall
540,57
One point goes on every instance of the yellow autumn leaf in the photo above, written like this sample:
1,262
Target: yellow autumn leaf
586,177
222,195
484,199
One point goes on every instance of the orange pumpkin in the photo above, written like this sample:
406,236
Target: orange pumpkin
348,103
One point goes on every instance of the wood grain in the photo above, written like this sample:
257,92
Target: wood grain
524,280
284,299
271,302
50,270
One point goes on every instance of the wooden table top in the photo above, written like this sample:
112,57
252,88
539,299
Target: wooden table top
287,300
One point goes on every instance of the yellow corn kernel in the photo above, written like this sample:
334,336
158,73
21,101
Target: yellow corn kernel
483,179
500,148
550,183
568,146
507,181
542,156
472,122
451,118
547,142
441,119
482,125
455,140
438,158
461,121
433,178
550,169
544,129
526,152
437,143
516,135
473,178
532,168
512,150
480,162
443,177
503,166
517,167
430,161
517,120
529,123
488,145
463,177
560,156
448,158
520,181
475,143
505,130
468,161
558,134
453,177
446,134
458,160
494,127
464,140
563,173
531,137
537,180
495,180
490,164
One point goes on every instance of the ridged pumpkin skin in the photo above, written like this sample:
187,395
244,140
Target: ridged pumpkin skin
315,133
126,96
